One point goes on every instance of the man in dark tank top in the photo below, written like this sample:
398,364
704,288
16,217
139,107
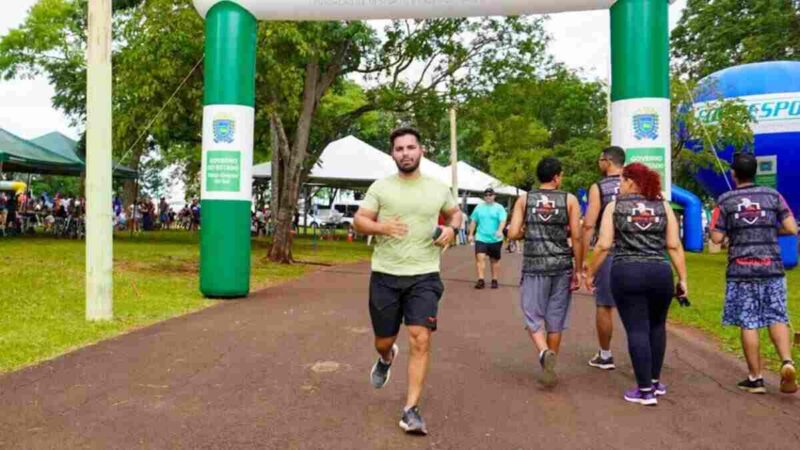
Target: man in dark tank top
548,219
611,163
752,217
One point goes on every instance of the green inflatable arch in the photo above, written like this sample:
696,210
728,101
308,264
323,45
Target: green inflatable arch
640,108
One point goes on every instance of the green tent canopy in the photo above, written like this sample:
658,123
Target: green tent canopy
58,143
68,148
20,155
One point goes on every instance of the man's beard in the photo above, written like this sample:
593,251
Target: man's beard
408,169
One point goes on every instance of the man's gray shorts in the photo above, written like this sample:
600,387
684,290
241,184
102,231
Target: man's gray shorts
546,301
602,293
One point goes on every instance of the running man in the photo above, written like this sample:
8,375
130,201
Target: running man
489,220
611,164
752,217
402,212
547,219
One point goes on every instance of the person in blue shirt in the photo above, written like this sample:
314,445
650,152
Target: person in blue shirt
488,221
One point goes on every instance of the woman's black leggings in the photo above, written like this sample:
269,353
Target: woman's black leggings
643,292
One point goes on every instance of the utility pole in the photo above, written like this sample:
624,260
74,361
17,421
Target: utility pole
99,238
454,152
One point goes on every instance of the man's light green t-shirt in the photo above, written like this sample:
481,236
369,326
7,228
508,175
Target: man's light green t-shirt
417,203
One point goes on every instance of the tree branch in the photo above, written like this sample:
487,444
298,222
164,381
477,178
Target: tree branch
310,100
283,141
333,70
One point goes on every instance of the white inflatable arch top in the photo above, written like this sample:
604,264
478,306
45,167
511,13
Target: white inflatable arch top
400,9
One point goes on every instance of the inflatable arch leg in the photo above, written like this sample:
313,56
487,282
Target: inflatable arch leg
789,251
692,218
227,163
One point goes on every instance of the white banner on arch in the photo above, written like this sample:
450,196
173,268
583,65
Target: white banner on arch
401,9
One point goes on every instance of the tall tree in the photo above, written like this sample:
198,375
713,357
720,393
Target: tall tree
714,34
411,72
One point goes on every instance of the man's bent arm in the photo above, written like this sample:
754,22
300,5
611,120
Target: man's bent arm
788,226
717,235
453,217
591,218
366,222
574,210
500,229
516,230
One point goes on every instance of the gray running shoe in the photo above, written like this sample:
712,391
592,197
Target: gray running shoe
412,422
600,363
548,362
381,371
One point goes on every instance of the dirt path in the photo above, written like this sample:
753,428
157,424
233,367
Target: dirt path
288,368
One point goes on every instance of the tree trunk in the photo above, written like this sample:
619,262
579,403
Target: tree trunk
291,157
281,250
275,176
129,186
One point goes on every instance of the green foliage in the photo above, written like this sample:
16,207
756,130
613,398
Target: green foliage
161,42
67,186
506,133
51,42
579,157
514,146
713,35
695,141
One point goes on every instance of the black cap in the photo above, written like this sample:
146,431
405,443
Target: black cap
488,191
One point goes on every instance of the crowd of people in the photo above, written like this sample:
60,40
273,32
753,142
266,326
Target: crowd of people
636,241
64,216
149,216
21,213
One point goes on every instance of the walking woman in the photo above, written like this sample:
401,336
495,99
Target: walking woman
641,226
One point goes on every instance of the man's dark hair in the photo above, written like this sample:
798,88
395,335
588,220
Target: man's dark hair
547,169
615,154
744,167
403,131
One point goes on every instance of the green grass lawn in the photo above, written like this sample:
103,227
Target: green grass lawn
155,278
707,292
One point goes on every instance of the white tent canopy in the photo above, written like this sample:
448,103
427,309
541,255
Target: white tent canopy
348,162
471,179
352,163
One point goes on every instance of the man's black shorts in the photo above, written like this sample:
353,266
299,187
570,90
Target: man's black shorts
395,299
495,251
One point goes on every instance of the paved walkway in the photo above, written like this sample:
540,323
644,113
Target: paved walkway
288,368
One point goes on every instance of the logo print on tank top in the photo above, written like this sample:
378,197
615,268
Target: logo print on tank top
643,217
749,211
546,208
